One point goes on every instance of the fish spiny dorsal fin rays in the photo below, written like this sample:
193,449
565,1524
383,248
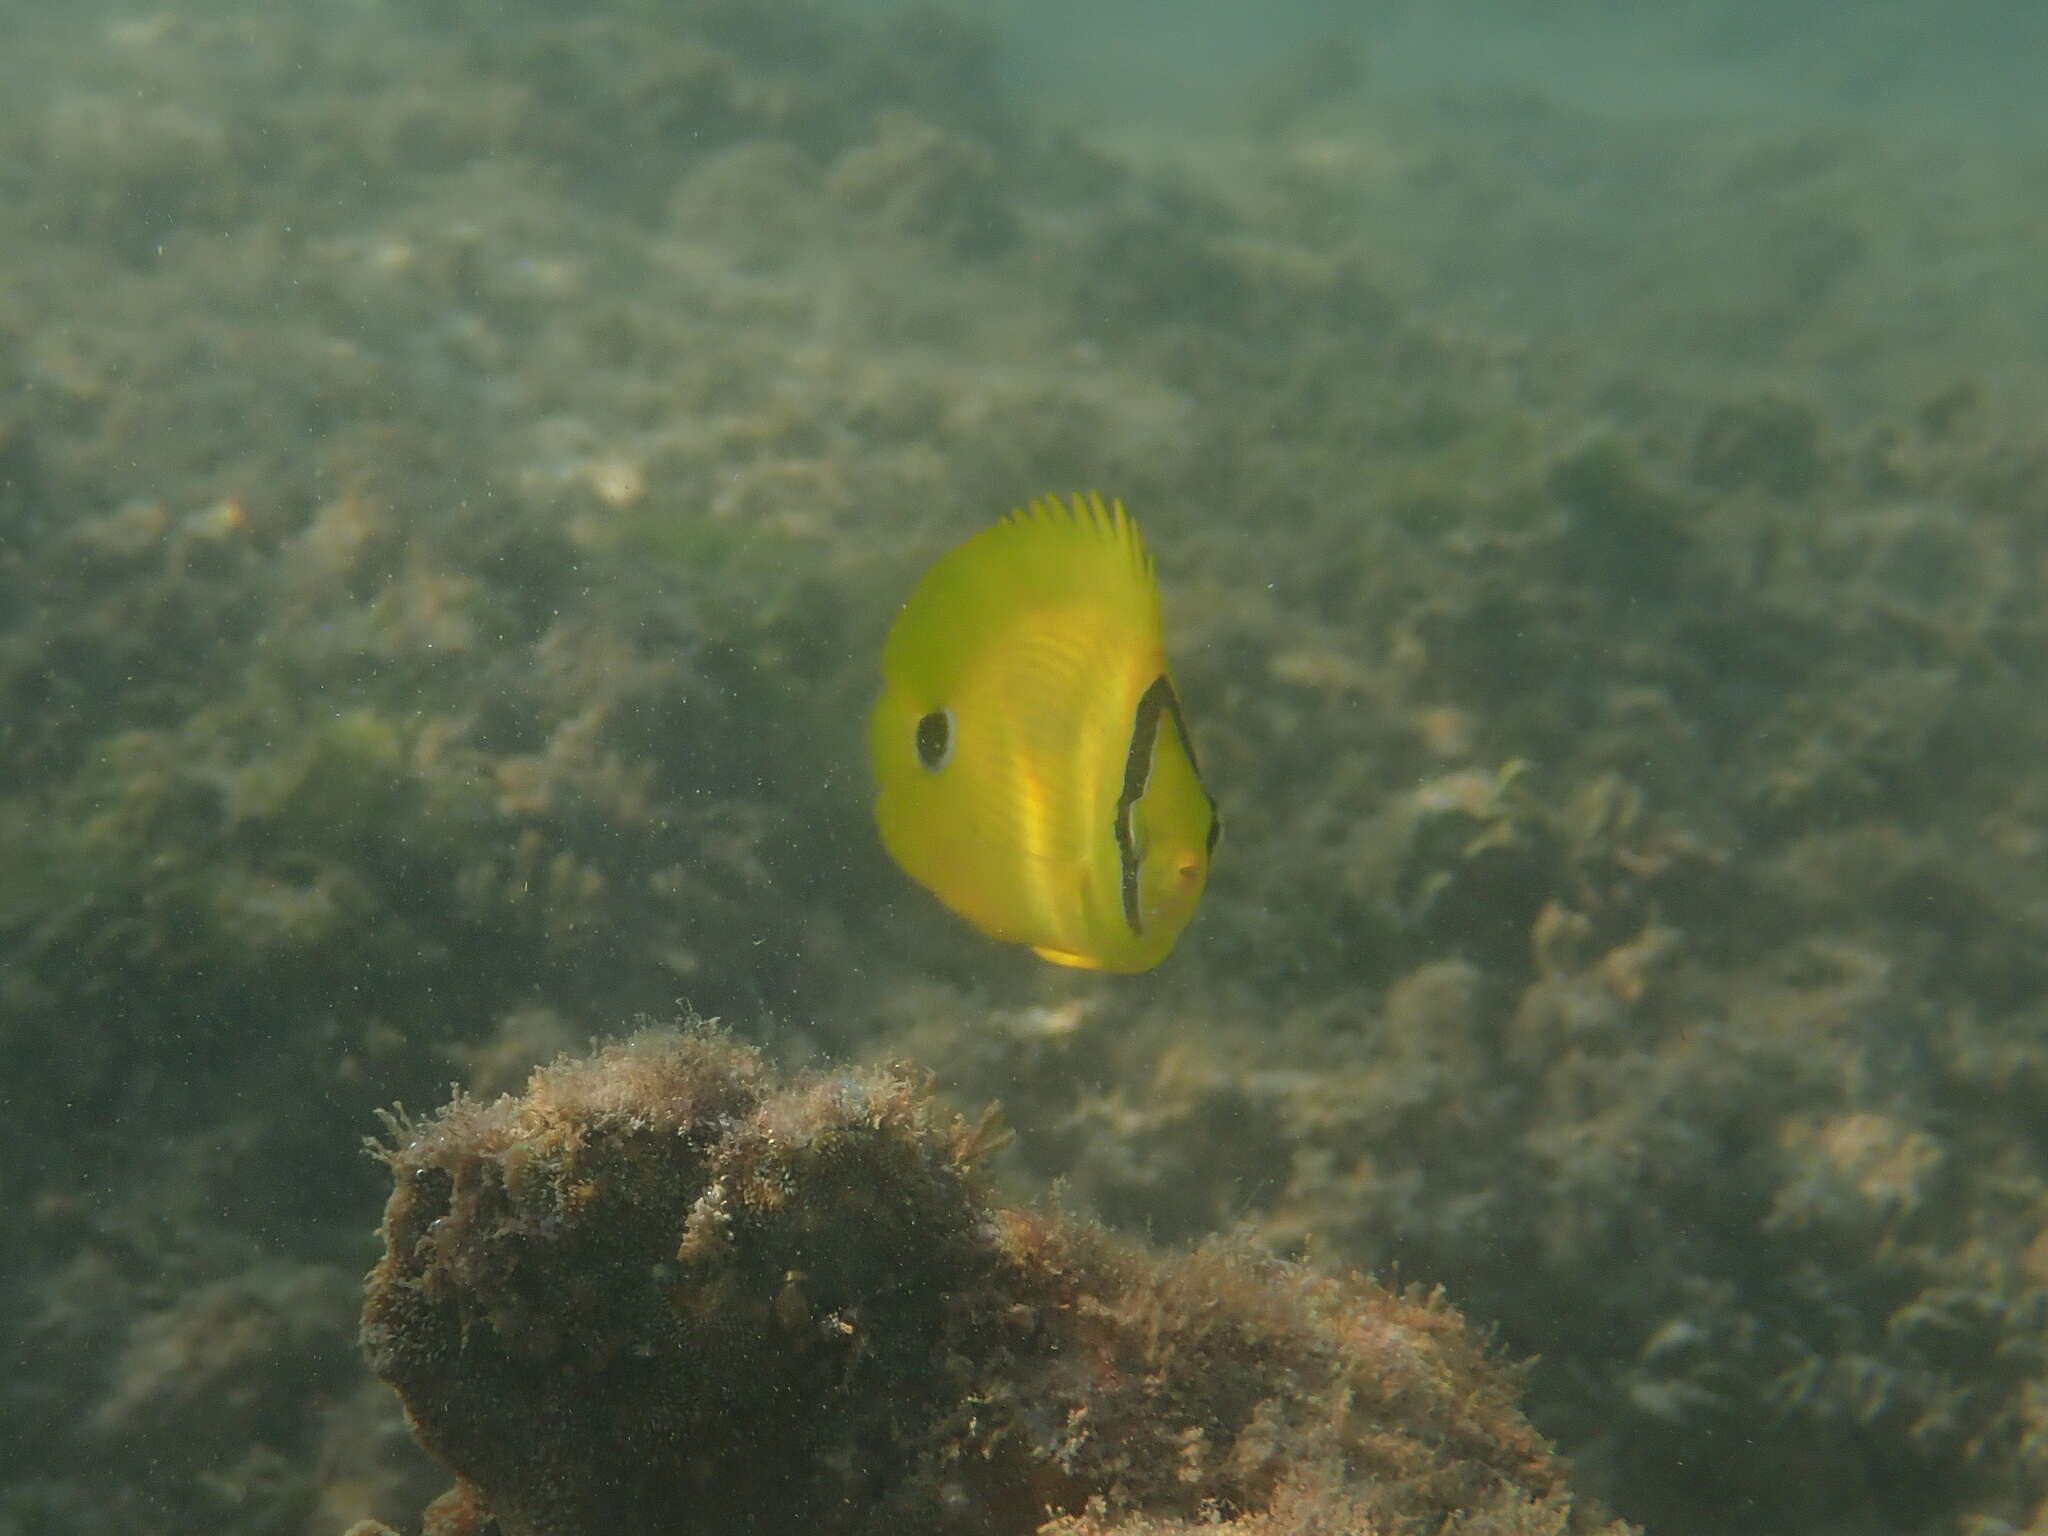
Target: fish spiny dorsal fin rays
1087,509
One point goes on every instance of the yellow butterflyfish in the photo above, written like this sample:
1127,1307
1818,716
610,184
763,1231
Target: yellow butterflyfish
1033,769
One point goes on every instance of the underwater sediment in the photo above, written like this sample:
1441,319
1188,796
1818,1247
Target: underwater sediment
665,1289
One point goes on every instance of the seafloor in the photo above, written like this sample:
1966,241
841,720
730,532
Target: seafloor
457,461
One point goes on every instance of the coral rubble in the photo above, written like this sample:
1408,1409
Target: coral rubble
664,1290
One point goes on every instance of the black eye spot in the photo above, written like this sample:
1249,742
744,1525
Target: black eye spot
935,739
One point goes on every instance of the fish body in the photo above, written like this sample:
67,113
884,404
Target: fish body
1033,768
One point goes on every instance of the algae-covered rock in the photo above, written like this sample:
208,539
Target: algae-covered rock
921,182
665,1290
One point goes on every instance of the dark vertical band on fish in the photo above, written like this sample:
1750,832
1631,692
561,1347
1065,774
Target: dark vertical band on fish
1157,699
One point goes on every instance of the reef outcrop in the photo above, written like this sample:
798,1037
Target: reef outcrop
665,1289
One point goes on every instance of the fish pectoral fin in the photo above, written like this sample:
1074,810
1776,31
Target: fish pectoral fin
1066,957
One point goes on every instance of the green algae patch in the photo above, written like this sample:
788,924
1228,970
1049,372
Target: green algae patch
666,1289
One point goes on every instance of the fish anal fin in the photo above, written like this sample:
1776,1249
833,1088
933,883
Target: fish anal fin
1066,957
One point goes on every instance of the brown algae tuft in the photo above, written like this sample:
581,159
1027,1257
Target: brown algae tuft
666,1289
